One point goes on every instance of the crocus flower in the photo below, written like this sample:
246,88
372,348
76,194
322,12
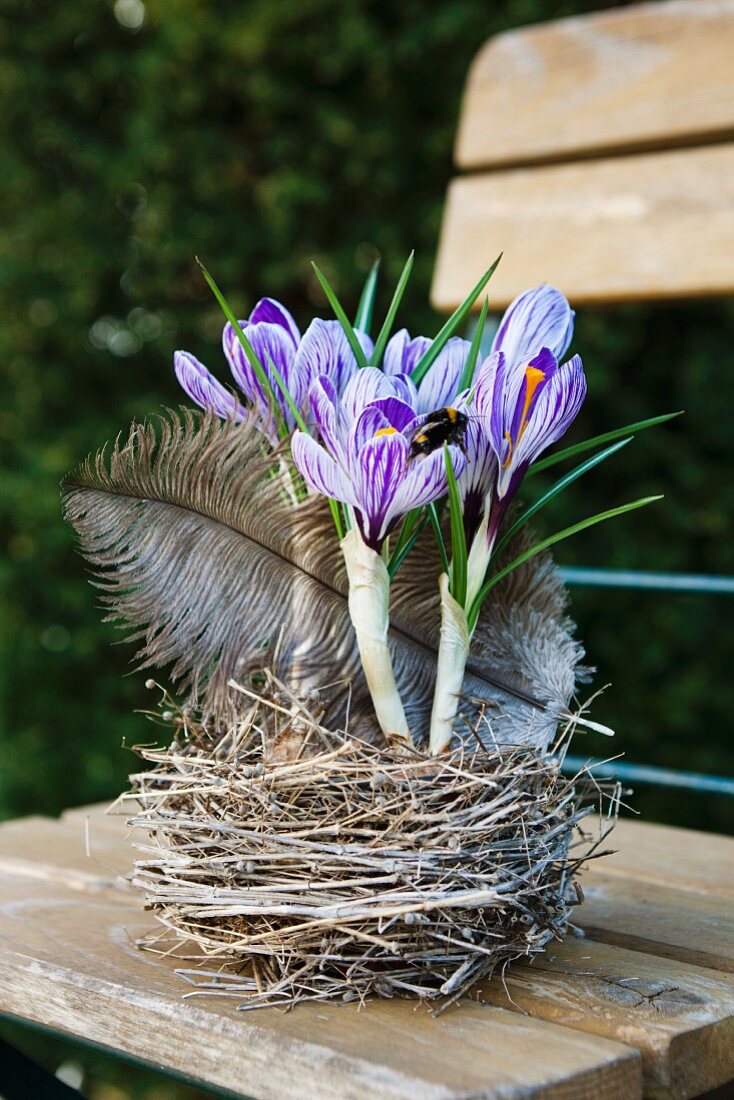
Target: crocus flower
526,409
365,463
364,460
275,338
440,385
522,402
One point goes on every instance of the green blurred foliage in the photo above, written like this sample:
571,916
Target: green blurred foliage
262,135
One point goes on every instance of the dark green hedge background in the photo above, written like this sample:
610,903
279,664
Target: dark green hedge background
262,135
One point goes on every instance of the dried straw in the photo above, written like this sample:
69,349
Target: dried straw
303,864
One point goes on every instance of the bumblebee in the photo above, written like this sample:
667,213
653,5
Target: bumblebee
441,426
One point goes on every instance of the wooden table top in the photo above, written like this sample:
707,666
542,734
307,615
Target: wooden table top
642,1004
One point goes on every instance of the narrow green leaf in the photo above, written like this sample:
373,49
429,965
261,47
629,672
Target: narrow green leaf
337,517
387,324
407,528
598,441
456,319
341,316
469,367
545,544
297,416
366,306
410,532
459,553
249,351
556,488
435,522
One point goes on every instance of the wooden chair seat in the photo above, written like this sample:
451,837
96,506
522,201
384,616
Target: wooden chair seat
644,1000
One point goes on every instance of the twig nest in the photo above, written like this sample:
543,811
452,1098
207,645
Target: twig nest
338,869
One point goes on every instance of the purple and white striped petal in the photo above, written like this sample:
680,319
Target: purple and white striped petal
379,468
367,385
557,407
477,480
539,318
323,400
325,349
399,414
488,402
271,312
365,428
440,385
425,479
269,342
533,380
319,470
204,389
402,354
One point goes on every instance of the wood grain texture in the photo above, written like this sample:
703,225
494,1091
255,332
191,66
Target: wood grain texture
674,924
658,225
630,78
684,859
623,982
70,963
681,1018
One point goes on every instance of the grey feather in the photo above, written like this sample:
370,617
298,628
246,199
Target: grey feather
199,548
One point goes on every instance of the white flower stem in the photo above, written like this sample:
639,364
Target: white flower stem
455,639
453,651
477,562
369,608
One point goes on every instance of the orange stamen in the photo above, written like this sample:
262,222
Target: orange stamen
533,378
508,460
386,431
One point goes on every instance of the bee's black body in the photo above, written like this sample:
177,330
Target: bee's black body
441,426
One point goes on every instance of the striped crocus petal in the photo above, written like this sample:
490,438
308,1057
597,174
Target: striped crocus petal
271,343
370,424
523,391
204,389
488,399
323,401
425,479
398,414
365,386
379,467
555,409
478,478
402,353
539,318
325,349
272,312
440,385
319,470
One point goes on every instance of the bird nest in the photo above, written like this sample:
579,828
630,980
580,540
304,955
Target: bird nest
289,862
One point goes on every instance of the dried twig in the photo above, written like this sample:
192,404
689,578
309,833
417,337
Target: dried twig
307,864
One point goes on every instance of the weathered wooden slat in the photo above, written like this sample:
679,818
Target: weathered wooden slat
69,962
675,924
658,225
634,77
684,859
84,853
680,1016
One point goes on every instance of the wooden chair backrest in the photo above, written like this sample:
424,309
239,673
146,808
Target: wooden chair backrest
599,156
